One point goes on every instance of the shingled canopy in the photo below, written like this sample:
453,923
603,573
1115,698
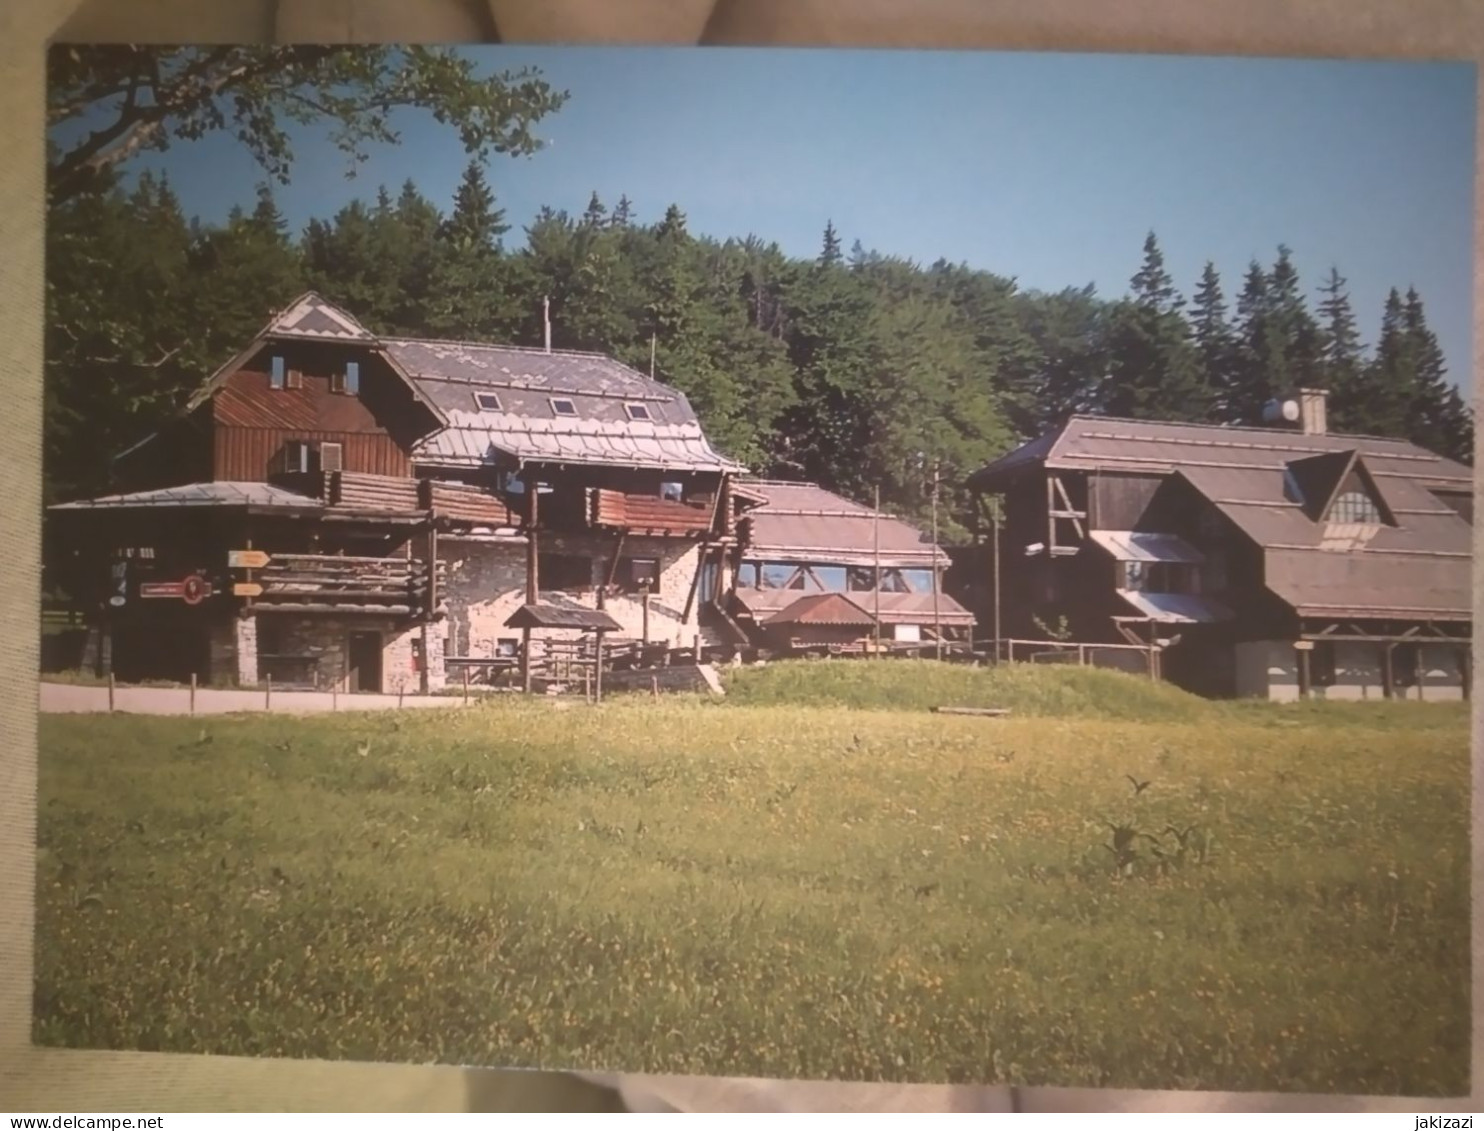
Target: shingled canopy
562,616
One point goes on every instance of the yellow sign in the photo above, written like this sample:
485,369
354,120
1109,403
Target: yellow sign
247,559
247,589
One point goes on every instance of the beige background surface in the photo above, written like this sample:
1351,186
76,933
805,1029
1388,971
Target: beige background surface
49,1080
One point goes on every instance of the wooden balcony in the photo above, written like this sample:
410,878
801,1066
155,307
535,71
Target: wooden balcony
398,495
646,514
334,583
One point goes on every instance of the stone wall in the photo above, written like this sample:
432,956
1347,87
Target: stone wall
485,582
234,652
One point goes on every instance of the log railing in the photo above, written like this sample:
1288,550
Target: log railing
646,514
334,583
395,494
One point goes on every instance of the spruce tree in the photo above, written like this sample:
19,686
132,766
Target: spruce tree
830,254
623,213
596,213
1438,419
1215,343
1341,360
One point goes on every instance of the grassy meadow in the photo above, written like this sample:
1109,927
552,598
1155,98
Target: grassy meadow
815,877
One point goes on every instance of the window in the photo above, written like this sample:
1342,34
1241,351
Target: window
918,580
331,457
487,402
564,571
747,576
777,575
892,581
295,379
860,579
507,647
353,377
276,374
298,455
1160,577
710,573
672,492
512,484
563,406
1355,507
638,411
1135,576
1322,664
831,578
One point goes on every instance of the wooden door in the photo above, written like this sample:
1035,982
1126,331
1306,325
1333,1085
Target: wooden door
364,654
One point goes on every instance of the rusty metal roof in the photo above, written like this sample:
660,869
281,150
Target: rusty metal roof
896,608
822,608
1098,442
802,522
219,494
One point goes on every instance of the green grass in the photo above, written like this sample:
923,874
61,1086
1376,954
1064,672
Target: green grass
767,887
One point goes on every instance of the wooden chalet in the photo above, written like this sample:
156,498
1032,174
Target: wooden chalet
1277,562
818,572
336,508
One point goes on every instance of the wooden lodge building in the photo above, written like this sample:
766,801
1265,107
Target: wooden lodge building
338,509
1276,562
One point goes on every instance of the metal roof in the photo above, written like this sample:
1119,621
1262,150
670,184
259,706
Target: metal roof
896,608
822,608
222,494
310,316
526,426
1108,443
802,522
561,616
1136,546
1176,608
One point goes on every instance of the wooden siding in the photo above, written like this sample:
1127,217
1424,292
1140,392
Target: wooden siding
648,513
1118,501
461,502
253,454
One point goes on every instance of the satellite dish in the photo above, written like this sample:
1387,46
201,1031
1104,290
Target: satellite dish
1276,411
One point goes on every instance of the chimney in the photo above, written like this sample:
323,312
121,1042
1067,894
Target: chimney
1312,405
546,321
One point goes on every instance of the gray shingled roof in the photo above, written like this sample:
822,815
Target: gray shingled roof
526,427
803,522
221,494
1090,442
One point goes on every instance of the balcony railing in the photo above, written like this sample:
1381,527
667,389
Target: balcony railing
334,583
647,514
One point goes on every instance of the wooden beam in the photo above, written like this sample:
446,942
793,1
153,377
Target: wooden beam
695,582
1070,512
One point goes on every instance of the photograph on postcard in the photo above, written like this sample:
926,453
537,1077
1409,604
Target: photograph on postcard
939,567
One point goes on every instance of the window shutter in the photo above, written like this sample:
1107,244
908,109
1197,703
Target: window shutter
331,457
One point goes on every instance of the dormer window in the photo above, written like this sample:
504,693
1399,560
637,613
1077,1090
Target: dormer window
563,406
638,411
672,492
1355,508
487,402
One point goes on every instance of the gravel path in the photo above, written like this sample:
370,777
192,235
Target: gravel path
66,698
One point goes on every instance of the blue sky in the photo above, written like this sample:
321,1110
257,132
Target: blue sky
1048,168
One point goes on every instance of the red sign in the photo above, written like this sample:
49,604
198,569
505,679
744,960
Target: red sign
193,590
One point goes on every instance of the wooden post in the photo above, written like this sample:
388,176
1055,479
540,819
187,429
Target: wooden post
1306,684
533,580
268,693
466,685
110,692
698,647
644,633
654,683
875,570
598,670
193,693
587,685
401,686
995,521
937,581
1388,689
335,695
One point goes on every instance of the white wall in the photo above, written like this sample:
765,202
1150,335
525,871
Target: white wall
1267,669
1358,673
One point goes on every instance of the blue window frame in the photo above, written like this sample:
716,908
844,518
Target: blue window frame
279,370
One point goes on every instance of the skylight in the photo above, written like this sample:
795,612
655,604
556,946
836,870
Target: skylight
638,411
487,402
563,406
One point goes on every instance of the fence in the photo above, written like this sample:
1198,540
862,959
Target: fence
1138,659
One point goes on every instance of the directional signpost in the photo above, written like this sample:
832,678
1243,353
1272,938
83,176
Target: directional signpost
247,559
247,589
